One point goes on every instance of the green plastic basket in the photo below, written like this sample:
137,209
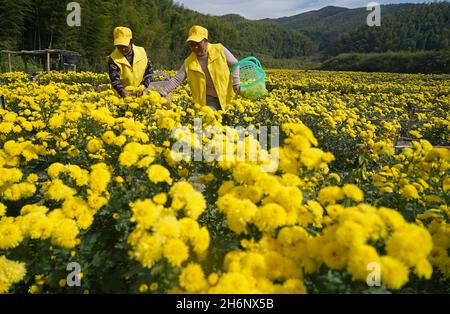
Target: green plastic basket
252,77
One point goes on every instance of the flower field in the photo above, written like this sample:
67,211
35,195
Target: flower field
361,189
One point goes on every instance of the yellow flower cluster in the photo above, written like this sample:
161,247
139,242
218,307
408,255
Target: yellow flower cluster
10,273
346,243
81,169
135,154
159,233
440,231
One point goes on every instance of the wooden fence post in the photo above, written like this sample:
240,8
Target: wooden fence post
9,62
48,61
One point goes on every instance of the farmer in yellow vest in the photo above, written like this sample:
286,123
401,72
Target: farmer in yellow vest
128,64
207,71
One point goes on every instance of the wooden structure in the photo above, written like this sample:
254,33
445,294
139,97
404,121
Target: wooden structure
403,142
47,54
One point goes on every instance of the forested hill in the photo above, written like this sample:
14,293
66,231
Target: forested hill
161,26
414,28
404,27
327,24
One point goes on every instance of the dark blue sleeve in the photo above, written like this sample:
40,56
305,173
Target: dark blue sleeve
149,70
114,76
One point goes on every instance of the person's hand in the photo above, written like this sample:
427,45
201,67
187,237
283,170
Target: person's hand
126,94
237,89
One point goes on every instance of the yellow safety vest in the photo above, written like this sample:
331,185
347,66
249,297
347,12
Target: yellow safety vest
220,74
131,75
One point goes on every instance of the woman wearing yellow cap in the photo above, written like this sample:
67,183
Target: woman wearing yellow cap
128,64
207,71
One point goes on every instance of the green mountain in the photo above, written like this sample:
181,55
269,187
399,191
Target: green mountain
334,20
420,27
313,19
404,27
326,24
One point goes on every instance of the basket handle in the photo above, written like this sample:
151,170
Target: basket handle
251,58
258,64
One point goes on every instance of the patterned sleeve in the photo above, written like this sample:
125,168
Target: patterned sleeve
114,76
149,70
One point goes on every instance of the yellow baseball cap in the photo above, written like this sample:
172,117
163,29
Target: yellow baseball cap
197,34
122,36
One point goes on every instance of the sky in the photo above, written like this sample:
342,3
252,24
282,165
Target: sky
259,9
